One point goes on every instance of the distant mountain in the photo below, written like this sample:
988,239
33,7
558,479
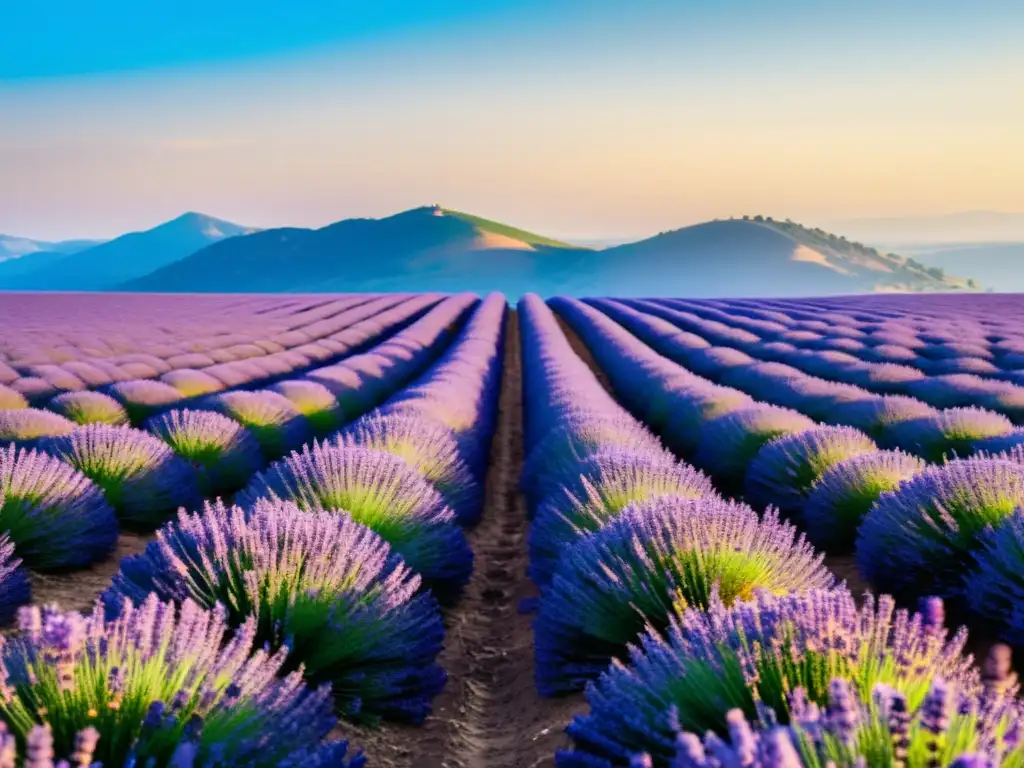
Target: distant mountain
754,257
999,266
436,249
124,258
963,227
12,247
424,249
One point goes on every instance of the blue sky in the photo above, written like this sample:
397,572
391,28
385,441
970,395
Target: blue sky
577,118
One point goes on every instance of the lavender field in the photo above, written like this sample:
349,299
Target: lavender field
418,530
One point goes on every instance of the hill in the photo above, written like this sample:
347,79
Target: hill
424,249
12,247
754,257
127,257
994,265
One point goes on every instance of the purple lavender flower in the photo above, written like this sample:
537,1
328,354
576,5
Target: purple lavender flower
687,414
11,400
876,416
855,730
270,417
191,383
579,436
920,539
727,444
89,408
428,447
142,478
750,657
947,434
25,427
143,398
383,493
994,588
314,401
158,684
602,487
328,588
841,498
34,389
56,516
955,390
223,453
659,556
785,470
14,584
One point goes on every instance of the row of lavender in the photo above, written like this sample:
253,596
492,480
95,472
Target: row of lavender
137,392
952,529
967,359
690,613
331,562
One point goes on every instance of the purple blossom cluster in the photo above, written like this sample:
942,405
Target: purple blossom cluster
327,588
624,534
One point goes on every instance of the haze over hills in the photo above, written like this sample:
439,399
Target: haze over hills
12,247
961,227
436,249
116,261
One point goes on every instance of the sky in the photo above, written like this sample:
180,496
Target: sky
581,119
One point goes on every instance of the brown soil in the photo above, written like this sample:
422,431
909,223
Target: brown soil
489,715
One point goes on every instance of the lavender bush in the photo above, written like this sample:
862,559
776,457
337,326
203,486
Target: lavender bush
223,453
920,539
271,418
315,402
159,686
11,399
428,447
55,516
947,434
14,584
841,498
659,556
142,478
785,470
142,398
602,487
89,408
751,656
383,493
27,426
325,587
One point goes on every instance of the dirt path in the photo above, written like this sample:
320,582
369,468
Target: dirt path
581,349
489,715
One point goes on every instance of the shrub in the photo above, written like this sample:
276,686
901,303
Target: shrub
428,447
726,445
732,658
156,684
325,587
658,556
383,493
314,401
602,487
142,398
688,414
191,383
784,471
581,435
223,453
89,408
271,418
947,434
994,588
55,516
142,478
11,399
14,584
920,539
27,426
841,498
876,417
853,729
